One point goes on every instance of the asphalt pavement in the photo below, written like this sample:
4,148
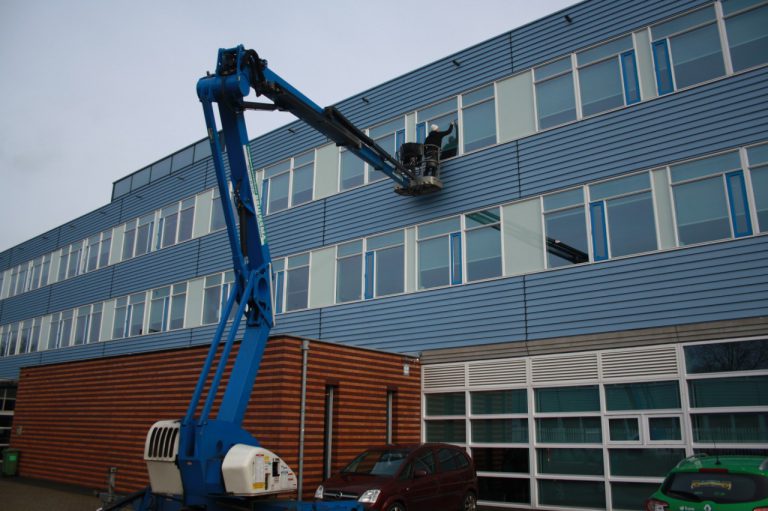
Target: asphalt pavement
23,494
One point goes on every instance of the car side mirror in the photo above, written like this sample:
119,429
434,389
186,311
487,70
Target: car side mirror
420,473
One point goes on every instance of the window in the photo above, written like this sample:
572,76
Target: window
129,316
166,310
98,249
644,462
61,330
491,459
499,401
642,396
503,489
215,296
11,338
450,431
568,399
94,333
726,356
389,136
624,429
21,278
569,430
278,181
351,170
565,228
687,50
168,225
303,178
29,336
501,431
478,118
441,114
81,325
129,239
384,265
728,392
710,199
439,248
562,492
573,461
328,437
217,212
483,239
297,283
144,234
730,427
278,284
349,270
758,163
747,33
555,100
608,76
451,403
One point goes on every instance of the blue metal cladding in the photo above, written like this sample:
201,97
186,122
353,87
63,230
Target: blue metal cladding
297,229
720,115
26,305
214,254
168,266
590,23
89,288
706,283
305,323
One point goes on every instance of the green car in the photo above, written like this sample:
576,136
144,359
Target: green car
714,483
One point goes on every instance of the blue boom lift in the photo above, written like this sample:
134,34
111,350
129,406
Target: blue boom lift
204,463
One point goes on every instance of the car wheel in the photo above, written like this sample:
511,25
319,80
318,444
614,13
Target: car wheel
396,507
470,502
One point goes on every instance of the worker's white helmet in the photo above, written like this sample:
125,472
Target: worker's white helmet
434,127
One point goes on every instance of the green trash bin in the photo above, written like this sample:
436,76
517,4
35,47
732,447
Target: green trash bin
10,462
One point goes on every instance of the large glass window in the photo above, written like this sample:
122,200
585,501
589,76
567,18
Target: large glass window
623,220
483,239
747,33
278,285
500,431
450,403
710,199
349,271
385,265
81,325
351,170
439,246
565,228
279,182
570,461
499,401
758,163
478,118
714,428
389,136
166,310
441,114
728,392
501,459
451,431
568,399
688,49
145,234
562,492
569,430
555,100
217,212
504,489
644,462
608,76
297,283
129,241
726,356
168,225
642,396
303,178
216,295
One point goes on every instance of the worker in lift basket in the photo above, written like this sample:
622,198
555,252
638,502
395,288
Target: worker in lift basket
432,146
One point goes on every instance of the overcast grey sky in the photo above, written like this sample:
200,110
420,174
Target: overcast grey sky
94,90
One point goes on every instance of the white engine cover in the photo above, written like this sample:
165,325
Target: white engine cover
250,470
160,451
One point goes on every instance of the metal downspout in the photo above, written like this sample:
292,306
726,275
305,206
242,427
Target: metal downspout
302,414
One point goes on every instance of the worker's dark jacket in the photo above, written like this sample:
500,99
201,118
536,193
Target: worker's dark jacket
436,137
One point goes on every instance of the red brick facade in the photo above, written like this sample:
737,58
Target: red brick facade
75,420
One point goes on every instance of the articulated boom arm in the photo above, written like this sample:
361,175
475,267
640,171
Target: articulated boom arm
242,70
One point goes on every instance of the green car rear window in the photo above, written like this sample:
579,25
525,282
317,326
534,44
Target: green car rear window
716,487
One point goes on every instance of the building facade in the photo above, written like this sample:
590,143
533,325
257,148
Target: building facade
588,294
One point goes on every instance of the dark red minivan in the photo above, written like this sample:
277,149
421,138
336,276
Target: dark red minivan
420,477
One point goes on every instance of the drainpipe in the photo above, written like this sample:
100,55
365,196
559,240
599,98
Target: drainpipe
302,414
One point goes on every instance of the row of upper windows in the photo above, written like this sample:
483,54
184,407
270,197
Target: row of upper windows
713,41
721,196
701,45
176,223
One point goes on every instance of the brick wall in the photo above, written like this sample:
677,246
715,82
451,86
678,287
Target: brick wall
75,420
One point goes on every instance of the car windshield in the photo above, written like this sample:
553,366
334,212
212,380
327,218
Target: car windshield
723,488
378,462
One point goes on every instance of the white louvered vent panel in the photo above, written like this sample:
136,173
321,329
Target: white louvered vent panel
497,372
570,367
437,377
646,362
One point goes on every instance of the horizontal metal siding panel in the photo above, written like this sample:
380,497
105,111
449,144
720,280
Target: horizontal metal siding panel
708,283
300,323
84,289
284,142
296,229
481,313
89,224
72,353
168,266
214,254
163,192
717,116
26,305
147,343
10,366
474,181
29,250
591,23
